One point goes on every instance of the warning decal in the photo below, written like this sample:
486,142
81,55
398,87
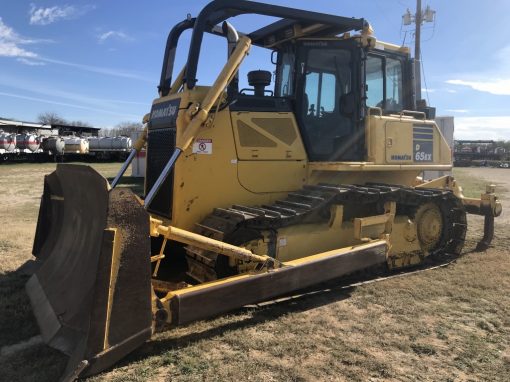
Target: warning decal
202,146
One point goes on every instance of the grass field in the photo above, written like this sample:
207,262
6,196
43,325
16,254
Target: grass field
447,324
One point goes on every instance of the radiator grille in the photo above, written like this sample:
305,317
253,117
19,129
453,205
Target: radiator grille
160,146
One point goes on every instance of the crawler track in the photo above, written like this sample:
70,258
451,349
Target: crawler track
312,204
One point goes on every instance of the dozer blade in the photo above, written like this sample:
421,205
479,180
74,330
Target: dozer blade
91,294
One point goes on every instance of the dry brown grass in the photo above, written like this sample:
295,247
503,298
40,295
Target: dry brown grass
21,186
448,324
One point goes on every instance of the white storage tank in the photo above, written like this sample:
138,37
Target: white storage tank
122,143
7,141
28,142
76,145
54,145
94,143
110,144
105,143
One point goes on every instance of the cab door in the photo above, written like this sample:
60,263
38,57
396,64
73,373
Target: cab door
328,100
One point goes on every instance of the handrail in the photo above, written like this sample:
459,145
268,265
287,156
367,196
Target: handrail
169,57
413,113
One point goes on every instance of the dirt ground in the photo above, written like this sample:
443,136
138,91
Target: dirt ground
446,324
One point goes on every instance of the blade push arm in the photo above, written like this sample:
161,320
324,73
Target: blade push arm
140,142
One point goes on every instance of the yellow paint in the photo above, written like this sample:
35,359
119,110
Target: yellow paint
203,182
235,174
114,270
267,136
278,176
304,260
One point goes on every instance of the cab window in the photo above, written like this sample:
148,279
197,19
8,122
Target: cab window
321,91
285,76
393,84
375,81
384,83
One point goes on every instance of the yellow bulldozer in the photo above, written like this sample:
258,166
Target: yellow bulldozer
250,193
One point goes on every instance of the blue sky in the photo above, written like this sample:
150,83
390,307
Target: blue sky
100,61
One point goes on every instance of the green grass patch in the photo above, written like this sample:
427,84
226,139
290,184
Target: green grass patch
473,185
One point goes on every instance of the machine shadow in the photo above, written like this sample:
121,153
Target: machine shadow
310,298
301,301
19,332
17,322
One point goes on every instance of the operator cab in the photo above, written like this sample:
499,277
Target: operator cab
329,84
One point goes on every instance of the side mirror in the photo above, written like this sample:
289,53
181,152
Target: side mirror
274,57
347,104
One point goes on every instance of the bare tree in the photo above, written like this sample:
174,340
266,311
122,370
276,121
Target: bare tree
123,128
51,118
78,123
